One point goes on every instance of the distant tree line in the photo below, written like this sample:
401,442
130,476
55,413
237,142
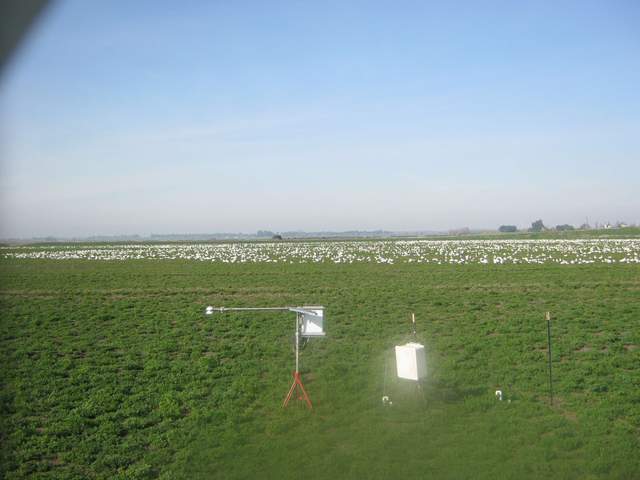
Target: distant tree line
565,227
539,226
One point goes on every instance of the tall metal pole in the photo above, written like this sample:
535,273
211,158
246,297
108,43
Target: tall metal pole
297,339
548,316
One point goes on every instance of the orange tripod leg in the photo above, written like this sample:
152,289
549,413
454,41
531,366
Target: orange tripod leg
304,392
297,381
286,400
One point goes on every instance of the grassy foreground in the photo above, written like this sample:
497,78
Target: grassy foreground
110,370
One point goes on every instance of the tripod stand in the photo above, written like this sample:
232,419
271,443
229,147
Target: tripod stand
297,379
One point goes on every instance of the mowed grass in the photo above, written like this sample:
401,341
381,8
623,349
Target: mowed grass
110,370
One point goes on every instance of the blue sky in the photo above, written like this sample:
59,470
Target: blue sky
175,117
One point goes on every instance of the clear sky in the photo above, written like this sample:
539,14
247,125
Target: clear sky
125,117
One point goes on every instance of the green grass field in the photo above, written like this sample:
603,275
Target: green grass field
110,370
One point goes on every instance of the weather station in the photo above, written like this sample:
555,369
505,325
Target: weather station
410,363
309,323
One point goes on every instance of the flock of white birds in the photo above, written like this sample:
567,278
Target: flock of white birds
564,252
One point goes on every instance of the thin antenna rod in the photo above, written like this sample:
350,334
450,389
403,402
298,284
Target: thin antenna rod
548,317
413,321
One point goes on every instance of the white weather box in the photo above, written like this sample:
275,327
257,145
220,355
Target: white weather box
312,322
411,361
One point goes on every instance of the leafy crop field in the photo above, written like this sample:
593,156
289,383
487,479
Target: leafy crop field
110,369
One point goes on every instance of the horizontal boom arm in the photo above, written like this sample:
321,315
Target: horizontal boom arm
302,310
